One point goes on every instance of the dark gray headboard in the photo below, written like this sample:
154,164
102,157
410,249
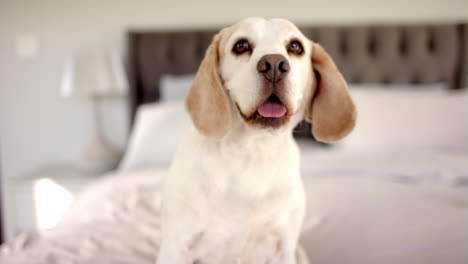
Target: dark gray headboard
365,54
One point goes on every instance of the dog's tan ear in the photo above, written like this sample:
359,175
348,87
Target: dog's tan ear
331,111
207,101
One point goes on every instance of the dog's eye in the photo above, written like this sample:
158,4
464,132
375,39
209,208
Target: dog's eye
241,46
295,47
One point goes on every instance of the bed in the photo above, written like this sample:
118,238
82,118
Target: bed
396,191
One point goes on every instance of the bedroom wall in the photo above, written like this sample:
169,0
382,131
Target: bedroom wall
39,127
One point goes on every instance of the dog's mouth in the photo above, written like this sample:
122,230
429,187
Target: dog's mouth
271,113
272,108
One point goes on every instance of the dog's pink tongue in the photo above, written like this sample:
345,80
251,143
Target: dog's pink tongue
272,109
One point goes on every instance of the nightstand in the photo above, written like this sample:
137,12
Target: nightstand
37,199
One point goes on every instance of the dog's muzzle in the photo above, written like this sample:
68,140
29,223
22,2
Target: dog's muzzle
273,68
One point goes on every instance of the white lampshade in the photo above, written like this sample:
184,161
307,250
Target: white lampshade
94,74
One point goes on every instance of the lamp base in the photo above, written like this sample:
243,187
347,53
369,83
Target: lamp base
99,157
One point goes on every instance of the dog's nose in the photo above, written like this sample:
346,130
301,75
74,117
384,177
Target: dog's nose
273,67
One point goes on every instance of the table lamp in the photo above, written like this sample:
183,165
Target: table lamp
96,76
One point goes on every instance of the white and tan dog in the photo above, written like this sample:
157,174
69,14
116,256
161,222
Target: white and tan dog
235,193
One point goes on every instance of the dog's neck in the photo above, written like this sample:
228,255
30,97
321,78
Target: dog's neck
243,158
244,138
264,159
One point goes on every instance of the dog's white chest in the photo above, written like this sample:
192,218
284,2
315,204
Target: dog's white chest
246,237
231,229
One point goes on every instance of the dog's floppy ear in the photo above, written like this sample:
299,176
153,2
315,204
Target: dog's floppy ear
331,111
207,101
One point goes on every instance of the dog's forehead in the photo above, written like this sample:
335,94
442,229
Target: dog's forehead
257,28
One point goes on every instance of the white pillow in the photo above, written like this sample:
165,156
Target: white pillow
157,132
175,87
409,119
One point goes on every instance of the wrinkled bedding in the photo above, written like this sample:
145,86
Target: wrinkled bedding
403,208
115,220
448,167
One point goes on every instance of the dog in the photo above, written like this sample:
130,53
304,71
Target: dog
234,193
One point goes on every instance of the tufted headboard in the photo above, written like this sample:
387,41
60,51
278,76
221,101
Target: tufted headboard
416,54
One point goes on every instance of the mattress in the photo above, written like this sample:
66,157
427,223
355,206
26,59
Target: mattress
350,219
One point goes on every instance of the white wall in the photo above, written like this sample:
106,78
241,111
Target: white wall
37,126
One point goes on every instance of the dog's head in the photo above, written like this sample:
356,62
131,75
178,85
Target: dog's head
267,75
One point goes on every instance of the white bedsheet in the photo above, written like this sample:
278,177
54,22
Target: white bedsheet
368,209
366,221
401,207
438,166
